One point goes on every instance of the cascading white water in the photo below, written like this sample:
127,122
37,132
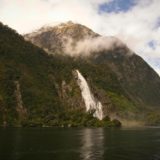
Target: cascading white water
90,102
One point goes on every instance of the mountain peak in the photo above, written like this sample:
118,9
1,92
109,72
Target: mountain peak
56,38
72,39
66,29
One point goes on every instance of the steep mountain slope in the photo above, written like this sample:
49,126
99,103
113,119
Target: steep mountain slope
46,90
22,64
136,78
37,89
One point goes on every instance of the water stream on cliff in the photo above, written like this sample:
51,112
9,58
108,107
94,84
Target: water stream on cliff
90,102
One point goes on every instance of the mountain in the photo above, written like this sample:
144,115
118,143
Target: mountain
41,90
78,78
136,78
54,39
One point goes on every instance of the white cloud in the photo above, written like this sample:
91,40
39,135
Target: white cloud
89,45
25,16
136,27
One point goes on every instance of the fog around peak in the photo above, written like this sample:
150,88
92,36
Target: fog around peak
88,46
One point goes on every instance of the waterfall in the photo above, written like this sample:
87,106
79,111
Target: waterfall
90,102
21,110
18,96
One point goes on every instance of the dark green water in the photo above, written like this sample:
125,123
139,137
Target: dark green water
79,144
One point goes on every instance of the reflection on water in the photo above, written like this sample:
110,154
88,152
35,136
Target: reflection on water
79,144
92,144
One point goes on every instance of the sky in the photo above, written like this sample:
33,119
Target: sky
135,22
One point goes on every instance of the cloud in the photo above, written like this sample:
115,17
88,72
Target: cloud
90,45
137,26
25,16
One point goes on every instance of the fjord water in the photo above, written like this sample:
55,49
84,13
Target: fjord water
79,144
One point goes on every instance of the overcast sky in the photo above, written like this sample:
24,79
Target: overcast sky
135,22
